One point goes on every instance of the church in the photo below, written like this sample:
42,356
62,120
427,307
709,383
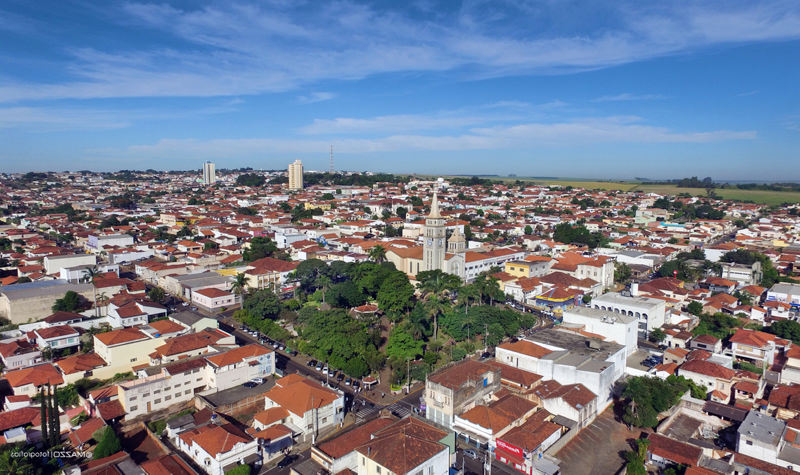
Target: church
437,251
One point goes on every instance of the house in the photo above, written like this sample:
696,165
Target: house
170,464
756,346
134,312
741,273
124,348
78,366
157,388
195,321
665,451
574,402
765,438
312,408
481,424
26,381
218,448
338,454
212,299
268,272
239,365
716,379
708,343
407,447
457,388
57,338
790,374
191,344
19,354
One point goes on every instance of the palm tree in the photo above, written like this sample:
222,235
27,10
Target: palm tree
91,275
436,306
466,295
239,284
324,281
377,254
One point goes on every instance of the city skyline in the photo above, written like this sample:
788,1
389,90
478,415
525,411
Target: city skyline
575,90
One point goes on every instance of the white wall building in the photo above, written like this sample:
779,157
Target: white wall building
649,312
619,328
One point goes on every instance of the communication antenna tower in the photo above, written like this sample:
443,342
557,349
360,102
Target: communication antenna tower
331,168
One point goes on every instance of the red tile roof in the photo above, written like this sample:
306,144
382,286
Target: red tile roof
216,439
36,375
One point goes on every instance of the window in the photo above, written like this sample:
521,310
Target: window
187,391
167,397
378,469
133,398
178,394
749,442
157,401
146,395
199,379
156,391
133,408
133,359
324,420
363,461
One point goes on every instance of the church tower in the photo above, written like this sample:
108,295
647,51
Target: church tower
435,234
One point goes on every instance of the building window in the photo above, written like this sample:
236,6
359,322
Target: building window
133,359
178,394
749,442
133,398
157,401
378,469
156,391
199,379
187,391
133,408
167,397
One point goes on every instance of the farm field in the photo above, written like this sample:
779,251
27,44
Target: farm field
757,196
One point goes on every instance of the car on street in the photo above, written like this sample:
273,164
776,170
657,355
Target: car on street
250,384
331,372
356,383
340,377
319,366
348,382
471,454
286,461
312,363
257,380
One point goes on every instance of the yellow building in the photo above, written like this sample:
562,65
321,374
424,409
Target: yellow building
322,206
518,268
125,348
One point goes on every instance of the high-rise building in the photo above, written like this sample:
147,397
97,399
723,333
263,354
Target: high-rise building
296,175
209,174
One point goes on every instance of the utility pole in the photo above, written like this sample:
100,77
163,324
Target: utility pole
408,373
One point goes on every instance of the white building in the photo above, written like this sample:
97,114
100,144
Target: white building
218,448
312,408
209,173
160,388
568,358
54,264
619,328
296,175
239,365
57,338
649,312
99,241
786,293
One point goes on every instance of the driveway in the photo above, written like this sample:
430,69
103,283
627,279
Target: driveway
599,448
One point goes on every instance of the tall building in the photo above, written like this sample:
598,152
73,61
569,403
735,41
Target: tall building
296,175
433,247
209,174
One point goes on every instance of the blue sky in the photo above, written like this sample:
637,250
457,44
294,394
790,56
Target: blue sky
537,88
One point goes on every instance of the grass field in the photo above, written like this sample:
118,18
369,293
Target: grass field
757,196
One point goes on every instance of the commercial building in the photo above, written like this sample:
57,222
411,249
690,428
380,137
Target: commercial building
54,264
209,173
296,175
457,388
649,312
32,301
619,328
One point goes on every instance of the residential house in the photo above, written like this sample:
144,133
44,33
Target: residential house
27,381
239,365
57,338
717,379
218,448
19,354
312,408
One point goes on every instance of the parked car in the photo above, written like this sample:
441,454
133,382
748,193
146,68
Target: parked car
471,454
281,347
356,383
312,363
340,377
286,461
319,366
250,384
331,372
257,380
348,382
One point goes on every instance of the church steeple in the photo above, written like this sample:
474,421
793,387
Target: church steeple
435,207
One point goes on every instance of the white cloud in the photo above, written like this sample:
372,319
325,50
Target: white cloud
530,135
48,119
249,49
627,96
316,97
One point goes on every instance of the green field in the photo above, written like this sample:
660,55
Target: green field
757,196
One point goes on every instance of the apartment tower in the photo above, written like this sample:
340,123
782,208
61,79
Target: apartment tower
296,175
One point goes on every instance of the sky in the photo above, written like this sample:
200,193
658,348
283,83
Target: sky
585,89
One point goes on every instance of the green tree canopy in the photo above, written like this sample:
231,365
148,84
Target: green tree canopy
262,304
395,293
107,443
402,344
70,302
260,247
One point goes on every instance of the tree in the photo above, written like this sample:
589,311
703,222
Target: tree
657,336
54,431
395,293
435,307
788,329
528,230
91,276
70,302
695,307
45,421
622,272
239,284
250,179
260,247
402,345
401,212
637,458
107,443
377,254
156,294
262,304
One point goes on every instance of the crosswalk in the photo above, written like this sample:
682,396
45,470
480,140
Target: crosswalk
364,413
